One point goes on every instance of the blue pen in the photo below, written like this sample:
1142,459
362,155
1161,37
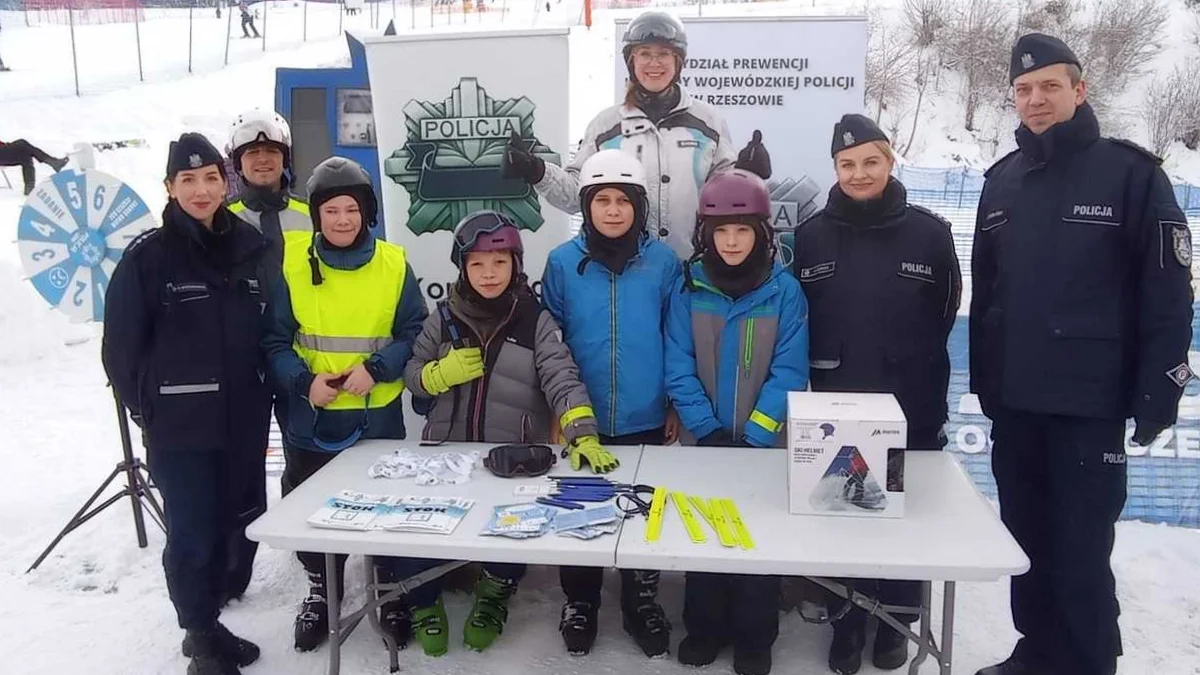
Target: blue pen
550,501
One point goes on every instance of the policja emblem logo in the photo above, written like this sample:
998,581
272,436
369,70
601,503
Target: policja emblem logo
1027,60
450,165
1181,244
194,161
847,139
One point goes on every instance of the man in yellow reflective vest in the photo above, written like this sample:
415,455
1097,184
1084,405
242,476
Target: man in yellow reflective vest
341,328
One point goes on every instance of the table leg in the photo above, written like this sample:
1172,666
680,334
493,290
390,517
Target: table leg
947,627
372,607
335,613
926,628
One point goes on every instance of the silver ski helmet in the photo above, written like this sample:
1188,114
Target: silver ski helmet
654,28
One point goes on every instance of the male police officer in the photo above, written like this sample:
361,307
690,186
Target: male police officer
1080,318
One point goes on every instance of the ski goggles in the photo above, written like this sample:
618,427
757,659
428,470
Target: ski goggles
476,227
259,132
519,459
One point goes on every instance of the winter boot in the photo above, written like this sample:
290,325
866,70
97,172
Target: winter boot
57,163
490,611
642,617
1014,666
312,624
396,621
698,651
752,661
430,628
206,655
891,648
231,647
578,626
845,652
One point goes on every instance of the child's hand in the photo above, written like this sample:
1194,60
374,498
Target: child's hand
320,392
671,430
358,381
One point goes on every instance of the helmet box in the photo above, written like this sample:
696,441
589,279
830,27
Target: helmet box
845,454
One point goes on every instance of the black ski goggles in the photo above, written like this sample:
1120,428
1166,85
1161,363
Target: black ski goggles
519,460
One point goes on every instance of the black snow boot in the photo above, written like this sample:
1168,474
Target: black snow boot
206,655
845,652
312,624
1015,666
752,661
698,651
578,626
231,647
57,163
395,618
891,648
642,617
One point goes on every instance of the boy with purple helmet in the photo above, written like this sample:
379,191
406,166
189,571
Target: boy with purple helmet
737,343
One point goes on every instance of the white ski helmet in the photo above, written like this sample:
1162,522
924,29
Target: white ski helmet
612,167
258,126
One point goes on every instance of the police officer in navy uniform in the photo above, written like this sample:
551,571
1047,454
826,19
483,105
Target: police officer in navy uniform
182,323
1080,318
883,287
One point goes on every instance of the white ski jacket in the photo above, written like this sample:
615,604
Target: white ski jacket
680,153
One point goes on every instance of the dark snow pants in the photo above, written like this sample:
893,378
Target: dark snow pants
22,153
737,609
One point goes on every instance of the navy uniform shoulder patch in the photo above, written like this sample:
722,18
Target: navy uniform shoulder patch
1181,242
1125,142
1181,375
141,240
932,214
1000,161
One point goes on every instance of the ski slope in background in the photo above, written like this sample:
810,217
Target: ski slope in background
99,604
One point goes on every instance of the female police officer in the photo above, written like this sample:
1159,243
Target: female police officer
883,287
181,331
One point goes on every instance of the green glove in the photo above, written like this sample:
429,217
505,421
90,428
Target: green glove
457,367
589,448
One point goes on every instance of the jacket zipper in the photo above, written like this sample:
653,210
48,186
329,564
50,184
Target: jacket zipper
479,393
749,346
612,406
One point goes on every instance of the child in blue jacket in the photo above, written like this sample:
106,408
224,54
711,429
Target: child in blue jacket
737,343
608,289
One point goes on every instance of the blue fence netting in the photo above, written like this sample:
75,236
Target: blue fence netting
1164,480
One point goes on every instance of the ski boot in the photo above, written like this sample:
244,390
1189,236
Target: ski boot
1015,666
57,163
206,655
642,617
430,628
578,626
698,651
845,652
490,611
312,624
396,621
891,648
231,647
751,661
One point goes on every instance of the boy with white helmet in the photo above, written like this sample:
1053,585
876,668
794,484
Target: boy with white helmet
608,289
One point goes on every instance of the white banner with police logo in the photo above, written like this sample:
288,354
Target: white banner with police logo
71,234
445,108
790,77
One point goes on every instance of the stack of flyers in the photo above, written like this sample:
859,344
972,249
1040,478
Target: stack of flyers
438,515
351,510
587,523
519,521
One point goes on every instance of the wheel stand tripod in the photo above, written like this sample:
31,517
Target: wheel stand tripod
137,488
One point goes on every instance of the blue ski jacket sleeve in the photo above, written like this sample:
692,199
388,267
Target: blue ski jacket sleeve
684,388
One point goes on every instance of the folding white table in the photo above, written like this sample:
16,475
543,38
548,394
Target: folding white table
949,532
284,526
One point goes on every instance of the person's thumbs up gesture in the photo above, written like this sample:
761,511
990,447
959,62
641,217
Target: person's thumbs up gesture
754,157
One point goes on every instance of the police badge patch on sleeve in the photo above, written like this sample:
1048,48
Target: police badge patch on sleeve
1181,243
1181,375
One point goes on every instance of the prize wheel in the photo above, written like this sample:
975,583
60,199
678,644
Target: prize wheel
72,231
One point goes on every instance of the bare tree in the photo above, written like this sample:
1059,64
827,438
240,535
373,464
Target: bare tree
890,66
925,20
1123,37
1171,108
926,64
977,47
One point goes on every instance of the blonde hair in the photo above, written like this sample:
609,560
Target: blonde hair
886,149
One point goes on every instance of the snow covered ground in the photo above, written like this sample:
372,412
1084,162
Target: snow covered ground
99,605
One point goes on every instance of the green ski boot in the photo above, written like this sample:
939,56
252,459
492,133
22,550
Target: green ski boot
429,628
490,612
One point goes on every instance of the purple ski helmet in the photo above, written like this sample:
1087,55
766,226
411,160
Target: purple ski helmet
486,231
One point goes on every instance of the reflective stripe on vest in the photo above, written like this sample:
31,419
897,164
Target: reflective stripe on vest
294,218
346,318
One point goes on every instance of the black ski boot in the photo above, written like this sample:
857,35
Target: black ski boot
751,661
891,648
845,652
231,647
1015,666
206,655
642,617
698,651
312,624
57,163
395,618
578,626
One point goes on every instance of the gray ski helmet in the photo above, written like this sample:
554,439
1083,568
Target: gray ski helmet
657,28
341,176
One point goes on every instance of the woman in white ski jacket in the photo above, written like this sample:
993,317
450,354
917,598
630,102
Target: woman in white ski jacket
681,141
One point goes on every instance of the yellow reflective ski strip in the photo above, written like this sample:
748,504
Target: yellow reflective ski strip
721,524
734,517
694,530
658,505
702,506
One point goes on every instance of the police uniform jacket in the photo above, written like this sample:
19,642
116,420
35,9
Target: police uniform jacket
1082,297
883,287
182,323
